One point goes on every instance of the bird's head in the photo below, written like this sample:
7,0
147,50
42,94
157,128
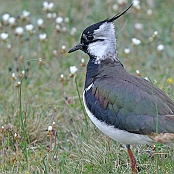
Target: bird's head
98,40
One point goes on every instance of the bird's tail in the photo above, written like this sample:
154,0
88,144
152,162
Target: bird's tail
163,137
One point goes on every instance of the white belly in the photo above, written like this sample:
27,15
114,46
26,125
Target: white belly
120,136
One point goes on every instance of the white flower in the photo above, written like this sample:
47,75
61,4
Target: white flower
136,41
83,64
4,36
61,76
14,76
115,7
54,15
2,129
138,26
126,50
48,6
50,128
19,31
45,4
160,47
73,69
73,31
23,72
150,39
59,20
136,4
55,53
58,28
155,33
64,29
66,19
5,18
62,79
83,60
149,12
42,37
9,46
18,84
49,15
40,59
63,47
12,21
154,36
137,71
122,2
25,14
15,135
40,22
29,27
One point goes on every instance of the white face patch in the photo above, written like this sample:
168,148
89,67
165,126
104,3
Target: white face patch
106,30
99,49
107,47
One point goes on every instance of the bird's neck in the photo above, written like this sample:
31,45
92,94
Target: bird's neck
92,71
100,70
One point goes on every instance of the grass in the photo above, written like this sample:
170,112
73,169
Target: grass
27,109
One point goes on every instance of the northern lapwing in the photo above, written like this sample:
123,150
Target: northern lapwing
127,108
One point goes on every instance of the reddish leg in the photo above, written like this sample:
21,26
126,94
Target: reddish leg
132,159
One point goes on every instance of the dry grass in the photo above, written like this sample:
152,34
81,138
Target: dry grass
46,97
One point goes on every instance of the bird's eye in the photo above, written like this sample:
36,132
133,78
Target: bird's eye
90,37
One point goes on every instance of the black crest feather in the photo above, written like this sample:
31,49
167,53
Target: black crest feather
118,15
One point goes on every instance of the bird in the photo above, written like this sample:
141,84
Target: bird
129,109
